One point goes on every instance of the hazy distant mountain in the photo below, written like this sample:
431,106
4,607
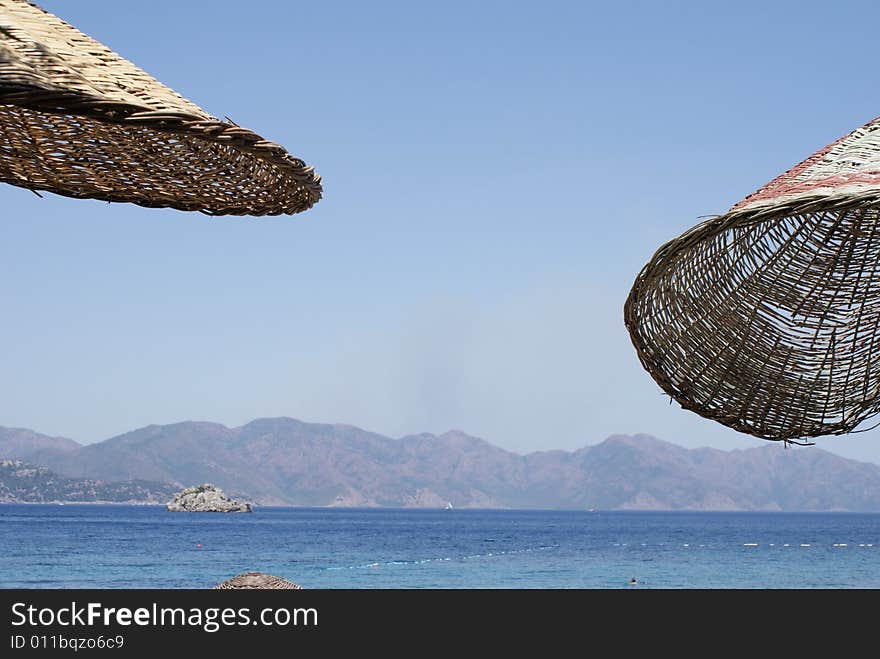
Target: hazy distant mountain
292,462
21,482
26,444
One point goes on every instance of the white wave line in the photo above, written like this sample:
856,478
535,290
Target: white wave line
423,561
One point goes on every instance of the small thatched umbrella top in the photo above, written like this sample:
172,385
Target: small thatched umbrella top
767,318
257,581
79,120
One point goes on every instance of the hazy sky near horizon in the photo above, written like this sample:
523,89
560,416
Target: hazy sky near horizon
495,175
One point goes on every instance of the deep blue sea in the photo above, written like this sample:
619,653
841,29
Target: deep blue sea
91,546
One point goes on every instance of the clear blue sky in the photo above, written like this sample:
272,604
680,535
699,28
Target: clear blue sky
495,174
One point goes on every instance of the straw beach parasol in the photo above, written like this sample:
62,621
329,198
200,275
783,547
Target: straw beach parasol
767,318
257,581
78,120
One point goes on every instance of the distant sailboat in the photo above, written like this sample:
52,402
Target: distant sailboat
448,505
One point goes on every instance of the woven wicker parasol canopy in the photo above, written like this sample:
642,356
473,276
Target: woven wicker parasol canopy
257,581
767,318
78,120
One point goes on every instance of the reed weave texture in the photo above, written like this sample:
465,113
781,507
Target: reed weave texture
257,581
767,318
78,120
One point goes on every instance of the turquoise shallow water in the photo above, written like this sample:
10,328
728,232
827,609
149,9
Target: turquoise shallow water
73,546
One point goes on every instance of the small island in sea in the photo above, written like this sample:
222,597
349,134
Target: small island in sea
205,498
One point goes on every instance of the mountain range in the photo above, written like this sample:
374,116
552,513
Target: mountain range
288,462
